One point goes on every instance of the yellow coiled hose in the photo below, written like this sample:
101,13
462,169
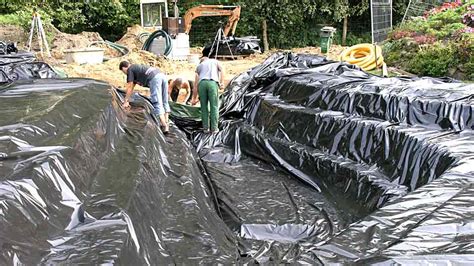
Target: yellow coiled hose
367,56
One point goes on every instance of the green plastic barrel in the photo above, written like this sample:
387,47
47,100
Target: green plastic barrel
326,36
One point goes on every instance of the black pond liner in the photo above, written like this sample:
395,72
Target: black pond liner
316,162
389,162
84,182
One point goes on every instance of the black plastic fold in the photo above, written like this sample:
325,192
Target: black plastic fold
20,57
231,46
26,71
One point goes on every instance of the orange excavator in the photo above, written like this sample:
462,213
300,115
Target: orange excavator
233,12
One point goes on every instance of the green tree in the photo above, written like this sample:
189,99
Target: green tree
341,10
109,18
279,23
283,16
69,17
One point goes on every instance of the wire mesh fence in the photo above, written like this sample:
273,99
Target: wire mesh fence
417,8
377,21
381,18
204,30
359,29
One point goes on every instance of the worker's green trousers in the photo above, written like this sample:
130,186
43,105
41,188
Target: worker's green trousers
209,98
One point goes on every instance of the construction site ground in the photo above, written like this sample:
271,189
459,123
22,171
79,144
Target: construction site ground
108,71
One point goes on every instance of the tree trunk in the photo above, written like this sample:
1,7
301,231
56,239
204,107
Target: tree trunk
265,36
344,31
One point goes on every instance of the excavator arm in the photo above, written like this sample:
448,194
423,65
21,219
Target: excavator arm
233,12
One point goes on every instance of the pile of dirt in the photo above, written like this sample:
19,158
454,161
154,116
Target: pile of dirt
64,41
334,52
108,71
13,33
131,38
196,50
109,52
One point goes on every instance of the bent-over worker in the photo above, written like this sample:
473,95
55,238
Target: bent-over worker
179,90
155,80
209,78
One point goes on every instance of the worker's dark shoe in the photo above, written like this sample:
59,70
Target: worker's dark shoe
165,130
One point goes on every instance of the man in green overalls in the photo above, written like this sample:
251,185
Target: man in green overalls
209,78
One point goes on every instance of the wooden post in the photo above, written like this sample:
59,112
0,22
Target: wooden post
265,35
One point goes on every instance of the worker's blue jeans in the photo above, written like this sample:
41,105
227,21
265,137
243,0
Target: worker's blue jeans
159,94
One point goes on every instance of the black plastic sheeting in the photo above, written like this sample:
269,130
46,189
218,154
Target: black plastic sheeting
21,66
20,57
393,155
7,48
273,214
316,162
83,181
236,46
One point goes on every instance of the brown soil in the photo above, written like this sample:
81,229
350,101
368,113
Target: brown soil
130,39
109,72
333,54
64,41
109,52
13,33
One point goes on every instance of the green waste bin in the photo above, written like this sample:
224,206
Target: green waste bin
326,34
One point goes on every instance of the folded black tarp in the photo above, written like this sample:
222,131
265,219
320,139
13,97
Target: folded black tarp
235,47
22,66
19,57
396,151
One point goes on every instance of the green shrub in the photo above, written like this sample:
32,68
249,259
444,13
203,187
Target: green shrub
10,19
447,17
69,17
465,46
433,25
435,60
109,18
468,68
448,30
392,52
23,18
352,39
438,44
414,25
